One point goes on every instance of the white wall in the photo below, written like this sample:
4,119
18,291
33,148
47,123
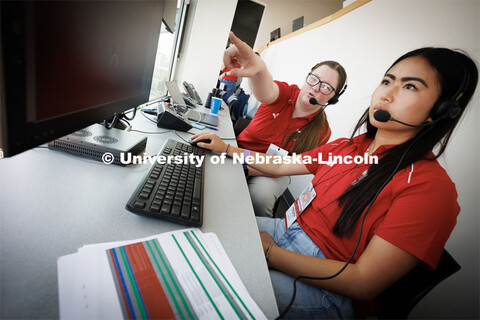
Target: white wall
366,41
209,22
281,13
206,36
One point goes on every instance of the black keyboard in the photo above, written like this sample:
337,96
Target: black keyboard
172,192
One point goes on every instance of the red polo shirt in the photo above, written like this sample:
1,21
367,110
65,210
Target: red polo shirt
231,77
273,123
416,211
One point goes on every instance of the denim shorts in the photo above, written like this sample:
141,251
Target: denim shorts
310,302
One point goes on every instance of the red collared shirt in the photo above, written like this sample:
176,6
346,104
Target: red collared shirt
231,77
273,123
416,211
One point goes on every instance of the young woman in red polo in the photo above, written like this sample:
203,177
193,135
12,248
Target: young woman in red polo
363,226
289,120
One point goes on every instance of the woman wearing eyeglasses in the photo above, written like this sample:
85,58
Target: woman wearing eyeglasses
289,120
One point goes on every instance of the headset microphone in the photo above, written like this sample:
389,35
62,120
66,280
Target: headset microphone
313,101
384,116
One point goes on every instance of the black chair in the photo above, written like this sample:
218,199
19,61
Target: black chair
399,299
241,124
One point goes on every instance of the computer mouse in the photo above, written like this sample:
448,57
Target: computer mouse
194,143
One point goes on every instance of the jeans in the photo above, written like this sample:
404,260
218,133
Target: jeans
229,88
239,106
310,302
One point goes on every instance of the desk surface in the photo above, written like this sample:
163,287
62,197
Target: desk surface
52,203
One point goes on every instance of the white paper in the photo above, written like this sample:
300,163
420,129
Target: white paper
87,286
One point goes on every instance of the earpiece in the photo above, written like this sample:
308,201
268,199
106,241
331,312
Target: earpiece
335,98
446,108
449,108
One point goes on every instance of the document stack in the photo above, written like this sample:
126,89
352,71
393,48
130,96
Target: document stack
185,274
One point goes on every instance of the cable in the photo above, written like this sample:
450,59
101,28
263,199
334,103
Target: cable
145,132
161,99
143,113
182,137
361,228
112,123
124,115
126,123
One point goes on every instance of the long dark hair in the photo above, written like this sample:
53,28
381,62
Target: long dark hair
454,70
309,136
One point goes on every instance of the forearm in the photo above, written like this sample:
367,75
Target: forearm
267,164
262,85
377,268
349,283
254,172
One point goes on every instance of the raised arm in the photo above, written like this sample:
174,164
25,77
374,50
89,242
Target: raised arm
286,168
253,67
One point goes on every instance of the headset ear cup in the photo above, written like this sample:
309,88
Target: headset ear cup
441,108
454,112
333,100
337,96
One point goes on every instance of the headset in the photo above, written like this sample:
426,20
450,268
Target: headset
449,108
335,98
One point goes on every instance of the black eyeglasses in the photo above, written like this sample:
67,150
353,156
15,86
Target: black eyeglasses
324,88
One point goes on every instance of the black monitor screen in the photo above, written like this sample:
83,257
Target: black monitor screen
67,64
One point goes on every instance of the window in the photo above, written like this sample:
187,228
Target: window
168,45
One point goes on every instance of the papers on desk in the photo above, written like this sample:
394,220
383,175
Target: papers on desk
183,274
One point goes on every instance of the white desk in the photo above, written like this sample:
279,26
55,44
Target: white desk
52,203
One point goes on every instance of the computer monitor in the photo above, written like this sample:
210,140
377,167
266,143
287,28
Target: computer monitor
68,64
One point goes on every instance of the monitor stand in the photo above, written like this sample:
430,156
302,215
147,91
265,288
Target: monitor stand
95,141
